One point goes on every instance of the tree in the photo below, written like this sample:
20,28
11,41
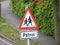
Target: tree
57,21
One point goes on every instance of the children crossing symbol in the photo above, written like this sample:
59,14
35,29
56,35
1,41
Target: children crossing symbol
28,21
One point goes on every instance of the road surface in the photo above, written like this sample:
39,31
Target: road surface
4,42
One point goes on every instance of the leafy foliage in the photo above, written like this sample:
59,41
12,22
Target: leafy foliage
43,14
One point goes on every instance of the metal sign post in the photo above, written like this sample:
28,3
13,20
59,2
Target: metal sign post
28,41
28,27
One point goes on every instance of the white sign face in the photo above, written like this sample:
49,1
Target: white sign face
28,21
29,34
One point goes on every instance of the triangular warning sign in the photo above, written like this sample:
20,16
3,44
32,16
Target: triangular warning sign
28,22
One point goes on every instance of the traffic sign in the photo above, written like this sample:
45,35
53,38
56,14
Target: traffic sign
28,22
29,34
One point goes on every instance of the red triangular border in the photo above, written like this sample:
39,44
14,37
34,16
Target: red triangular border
27,28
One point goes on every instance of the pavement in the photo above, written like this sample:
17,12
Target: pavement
11,18
8,14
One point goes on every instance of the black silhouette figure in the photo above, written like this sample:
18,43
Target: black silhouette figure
25,22
29,21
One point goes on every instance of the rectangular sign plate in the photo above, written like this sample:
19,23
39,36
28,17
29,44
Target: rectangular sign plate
29,34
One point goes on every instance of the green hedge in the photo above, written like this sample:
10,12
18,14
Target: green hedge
43,14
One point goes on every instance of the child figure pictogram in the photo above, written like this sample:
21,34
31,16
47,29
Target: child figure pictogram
28,21
25,22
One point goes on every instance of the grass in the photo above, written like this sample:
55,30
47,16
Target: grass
2,0
12,33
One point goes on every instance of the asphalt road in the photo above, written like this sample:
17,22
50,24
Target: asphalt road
4,42
10,17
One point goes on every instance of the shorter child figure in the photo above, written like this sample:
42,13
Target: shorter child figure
25,22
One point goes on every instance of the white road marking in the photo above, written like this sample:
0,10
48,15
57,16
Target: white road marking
5,41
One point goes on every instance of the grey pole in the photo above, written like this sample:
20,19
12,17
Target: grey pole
26,7
28,42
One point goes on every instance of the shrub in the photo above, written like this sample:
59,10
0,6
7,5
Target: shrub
43,14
